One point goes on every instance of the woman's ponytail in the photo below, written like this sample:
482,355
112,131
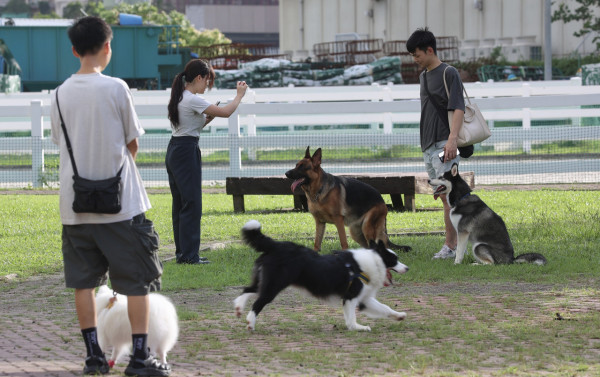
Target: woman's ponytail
176,97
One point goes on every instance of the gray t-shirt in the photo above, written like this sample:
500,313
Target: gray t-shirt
434,129
191,115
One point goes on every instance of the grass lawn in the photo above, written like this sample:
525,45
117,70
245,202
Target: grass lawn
558,224
462,320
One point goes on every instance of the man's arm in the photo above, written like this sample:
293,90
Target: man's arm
133,147
450,149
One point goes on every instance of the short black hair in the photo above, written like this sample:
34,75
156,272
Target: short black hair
88,35
421,39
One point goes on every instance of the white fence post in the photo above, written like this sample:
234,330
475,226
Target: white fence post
526,118
235,152
251,127
388,125
576,81
37,134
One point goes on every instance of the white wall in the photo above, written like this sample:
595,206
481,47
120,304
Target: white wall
304,23
234,19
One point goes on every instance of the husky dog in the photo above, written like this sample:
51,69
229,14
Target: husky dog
114,329
474,221
351,276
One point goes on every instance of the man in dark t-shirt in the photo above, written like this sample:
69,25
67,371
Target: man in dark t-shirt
438,134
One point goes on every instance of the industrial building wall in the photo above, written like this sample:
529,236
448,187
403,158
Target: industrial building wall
304,23
239,20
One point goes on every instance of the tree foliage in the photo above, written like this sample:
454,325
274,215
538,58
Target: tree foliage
187,35
586,12
16,6
73,10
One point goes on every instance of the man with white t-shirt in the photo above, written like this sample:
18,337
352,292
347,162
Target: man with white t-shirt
103,128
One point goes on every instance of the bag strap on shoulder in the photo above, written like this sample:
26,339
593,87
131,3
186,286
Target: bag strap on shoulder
64,129
448,92
69,148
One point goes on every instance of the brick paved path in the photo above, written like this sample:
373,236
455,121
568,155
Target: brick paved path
39,334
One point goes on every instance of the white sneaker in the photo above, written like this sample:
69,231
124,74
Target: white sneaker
445,253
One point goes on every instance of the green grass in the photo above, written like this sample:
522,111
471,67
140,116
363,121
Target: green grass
562,225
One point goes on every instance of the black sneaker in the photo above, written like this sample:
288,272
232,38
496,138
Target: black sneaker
148,367
96,365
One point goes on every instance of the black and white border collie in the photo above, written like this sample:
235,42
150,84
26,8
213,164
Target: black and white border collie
353,276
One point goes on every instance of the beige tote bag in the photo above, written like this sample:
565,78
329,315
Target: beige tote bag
474,129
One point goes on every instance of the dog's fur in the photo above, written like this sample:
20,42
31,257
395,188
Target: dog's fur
352,276
341,201
474,221
114,329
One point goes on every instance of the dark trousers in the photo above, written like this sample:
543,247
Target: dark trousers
184,167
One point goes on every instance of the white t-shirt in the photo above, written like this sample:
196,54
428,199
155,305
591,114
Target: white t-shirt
191,116
100,120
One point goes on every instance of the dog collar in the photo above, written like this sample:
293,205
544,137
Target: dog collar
316,199
464,196
362,276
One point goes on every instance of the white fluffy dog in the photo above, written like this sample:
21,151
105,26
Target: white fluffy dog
114,329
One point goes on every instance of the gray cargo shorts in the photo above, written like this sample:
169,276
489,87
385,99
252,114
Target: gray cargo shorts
125,251
434,167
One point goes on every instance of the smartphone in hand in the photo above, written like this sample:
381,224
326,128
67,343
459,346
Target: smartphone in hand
441,155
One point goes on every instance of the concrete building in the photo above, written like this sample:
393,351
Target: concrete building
244,21
479,25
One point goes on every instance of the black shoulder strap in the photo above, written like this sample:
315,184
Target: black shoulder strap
62,124
443,113
69,148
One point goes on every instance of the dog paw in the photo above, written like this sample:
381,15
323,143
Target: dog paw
358,327
238,311
399,316
251,321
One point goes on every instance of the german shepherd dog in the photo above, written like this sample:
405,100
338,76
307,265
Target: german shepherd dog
351,277
341,201
474,221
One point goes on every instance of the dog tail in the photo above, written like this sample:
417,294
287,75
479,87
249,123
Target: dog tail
403,248
531,258
254,237
392,245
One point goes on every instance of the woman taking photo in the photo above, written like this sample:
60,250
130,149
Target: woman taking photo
189,114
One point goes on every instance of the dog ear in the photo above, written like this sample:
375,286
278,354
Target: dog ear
307,153
316,158
372,245
454,170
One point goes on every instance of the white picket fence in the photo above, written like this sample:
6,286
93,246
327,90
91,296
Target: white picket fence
263,109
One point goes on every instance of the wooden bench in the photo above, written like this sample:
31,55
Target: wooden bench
394,184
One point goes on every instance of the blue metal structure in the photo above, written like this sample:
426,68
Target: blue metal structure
46,59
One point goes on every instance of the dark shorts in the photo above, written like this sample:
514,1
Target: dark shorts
125,251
